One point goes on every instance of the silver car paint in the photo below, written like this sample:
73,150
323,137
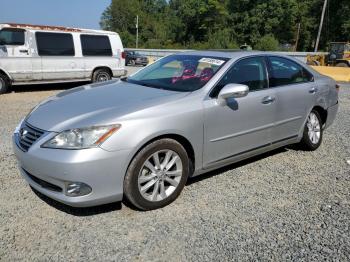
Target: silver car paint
218,134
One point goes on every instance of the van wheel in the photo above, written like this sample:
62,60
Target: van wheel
101,75
342,64
156,175
4,84
312,136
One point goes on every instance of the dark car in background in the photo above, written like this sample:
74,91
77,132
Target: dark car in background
135,58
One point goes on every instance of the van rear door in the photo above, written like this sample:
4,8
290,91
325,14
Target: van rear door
97,52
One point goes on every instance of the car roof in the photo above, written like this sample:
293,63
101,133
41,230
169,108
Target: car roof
226,54
53,28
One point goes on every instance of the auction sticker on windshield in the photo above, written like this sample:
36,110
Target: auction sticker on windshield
212,61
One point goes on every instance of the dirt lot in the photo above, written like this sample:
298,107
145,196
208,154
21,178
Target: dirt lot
285,205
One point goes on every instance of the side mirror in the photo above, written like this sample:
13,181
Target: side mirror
232,91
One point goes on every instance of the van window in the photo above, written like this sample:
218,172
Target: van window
55,44
11,36
96,45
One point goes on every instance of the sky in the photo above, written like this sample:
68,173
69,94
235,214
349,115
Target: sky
71,13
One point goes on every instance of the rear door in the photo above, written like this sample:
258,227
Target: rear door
244,124
97,52
295,96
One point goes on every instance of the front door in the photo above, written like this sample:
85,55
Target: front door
16,54
244,124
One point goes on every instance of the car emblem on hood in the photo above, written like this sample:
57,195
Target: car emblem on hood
23,132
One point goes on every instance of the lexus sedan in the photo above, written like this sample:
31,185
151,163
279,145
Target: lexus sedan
140,138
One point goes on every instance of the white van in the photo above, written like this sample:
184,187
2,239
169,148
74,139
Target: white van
48,54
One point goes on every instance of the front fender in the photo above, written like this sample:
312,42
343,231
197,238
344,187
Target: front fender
2,70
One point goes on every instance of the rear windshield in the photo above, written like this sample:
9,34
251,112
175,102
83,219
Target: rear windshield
184,73
11,36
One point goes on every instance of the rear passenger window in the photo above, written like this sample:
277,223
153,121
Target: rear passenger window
286,72
96,45
249,71
55,44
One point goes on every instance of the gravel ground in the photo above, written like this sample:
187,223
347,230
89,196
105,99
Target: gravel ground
284,205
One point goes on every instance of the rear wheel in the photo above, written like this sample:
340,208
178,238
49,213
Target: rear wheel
157,175
312,136
4,84
101,75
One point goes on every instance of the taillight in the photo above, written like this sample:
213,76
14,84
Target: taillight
337,87
124,55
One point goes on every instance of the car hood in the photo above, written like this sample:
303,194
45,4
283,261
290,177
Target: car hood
96,104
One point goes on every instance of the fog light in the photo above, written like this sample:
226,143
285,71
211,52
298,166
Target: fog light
75,189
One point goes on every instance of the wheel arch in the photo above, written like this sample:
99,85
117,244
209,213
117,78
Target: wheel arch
3,72
343,61
178,138
322,112
102,67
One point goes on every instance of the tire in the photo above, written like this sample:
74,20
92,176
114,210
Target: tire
4,84
148,190
101,75
342,64
313,63
132,62
313,132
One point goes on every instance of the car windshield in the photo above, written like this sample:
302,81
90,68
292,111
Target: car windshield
183,73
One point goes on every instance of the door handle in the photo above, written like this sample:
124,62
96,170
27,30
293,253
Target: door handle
313,90
24,51
268,100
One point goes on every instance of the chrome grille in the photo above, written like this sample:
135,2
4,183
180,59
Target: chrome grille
28,135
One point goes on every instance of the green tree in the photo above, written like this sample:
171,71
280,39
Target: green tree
226,24
267,43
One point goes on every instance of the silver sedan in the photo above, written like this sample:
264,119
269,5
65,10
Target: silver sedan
140,138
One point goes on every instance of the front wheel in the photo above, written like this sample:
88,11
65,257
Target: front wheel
342,64
313,133
4,84
157,175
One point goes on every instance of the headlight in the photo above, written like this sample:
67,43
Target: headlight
81,138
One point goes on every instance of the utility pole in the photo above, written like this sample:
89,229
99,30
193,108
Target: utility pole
297,38
321,24
137,31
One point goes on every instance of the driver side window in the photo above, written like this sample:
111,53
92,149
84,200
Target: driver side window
249,71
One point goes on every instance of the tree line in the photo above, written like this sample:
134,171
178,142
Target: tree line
227,24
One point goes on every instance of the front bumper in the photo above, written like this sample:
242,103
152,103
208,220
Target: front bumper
49,170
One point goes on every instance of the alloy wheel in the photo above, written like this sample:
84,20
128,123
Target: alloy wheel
160,175
314,128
